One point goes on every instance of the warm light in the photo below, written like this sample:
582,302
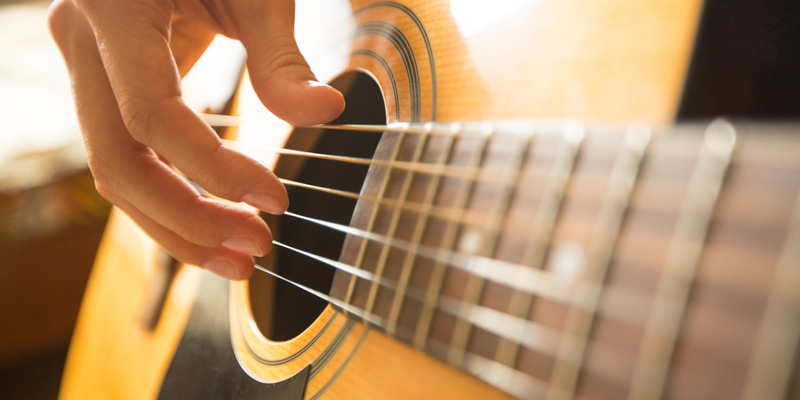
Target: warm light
475,16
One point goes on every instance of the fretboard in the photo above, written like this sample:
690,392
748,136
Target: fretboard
559,260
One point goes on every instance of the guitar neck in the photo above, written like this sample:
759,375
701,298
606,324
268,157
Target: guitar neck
548,258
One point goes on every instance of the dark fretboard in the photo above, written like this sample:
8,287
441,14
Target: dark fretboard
558,260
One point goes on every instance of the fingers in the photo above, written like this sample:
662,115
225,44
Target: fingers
279,73
127,92
223,262
136,56
131,176
157,191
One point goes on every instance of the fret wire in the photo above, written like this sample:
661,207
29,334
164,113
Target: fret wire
416,237
544,222
396,212
505,378
621,183
776,342
362,248
448,239
475,283
672,293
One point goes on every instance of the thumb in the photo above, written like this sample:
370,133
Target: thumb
280,75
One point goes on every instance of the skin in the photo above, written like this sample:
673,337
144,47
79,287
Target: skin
125,59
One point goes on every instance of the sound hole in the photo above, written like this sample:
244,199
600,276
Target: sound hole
281,310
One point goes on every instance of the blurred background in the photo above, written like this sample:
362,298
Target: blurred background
51,217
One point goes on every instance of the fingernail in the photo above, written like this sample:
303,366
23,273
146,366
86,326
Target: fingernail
313,84
243,245
264,202
223,269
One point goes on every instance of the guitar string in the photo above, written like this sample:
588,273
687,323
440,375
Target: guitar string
464,261
468,174
497,322
356,196
512,275
446,171
430,128
450,171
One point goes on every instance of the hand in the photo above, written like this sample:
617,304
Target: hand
125,59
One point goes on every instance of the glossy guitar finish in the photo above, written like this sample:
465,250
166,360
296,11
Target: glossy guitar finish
447,62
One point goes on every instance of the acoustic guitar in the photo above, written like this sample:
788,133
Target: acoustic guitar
506,209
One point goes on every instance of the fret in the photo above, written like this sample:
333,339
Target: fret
475,283
411,255
396,212
371,222
539,237
448,239
672,293
426,206
771,363
603,241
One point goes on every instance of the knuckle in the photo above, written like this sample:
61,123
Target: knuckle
199,165
218,170
283,52
185,230
136,114
141,116
103,181
188,229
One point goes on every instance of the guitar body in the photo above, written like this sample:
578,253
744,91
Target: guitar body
434,61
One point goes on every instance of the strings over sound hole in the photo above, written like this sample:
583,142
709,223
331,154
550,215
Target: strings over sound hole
281,310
